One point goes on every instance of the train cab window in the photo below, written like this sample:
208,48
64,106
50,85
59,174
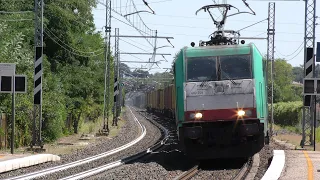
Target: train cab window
235,67
202,69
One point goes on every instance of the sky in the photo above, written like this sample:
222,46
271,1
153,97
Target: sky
177,19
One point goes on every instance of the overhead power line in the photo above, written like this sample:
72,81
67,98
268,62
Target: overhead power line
295,55
291,53
12,20
92,52
15,12
93,55
133,45
119,7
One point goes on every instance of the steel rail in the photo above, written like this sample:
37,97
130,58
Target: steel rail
245,169
188,174
117,163
47,171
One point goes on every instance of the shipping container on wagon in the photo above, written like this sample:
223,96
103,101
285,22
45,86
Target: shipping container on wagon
154,100
166,98
161,104
169,97
151,98
137,101
173,106
143,101
147,100
158,99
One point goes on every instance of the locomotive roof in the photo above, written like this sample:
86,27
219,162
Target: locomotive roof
219,50
222,46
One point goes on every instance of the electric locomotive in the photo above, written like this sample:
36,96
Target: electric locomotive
221,104
219,95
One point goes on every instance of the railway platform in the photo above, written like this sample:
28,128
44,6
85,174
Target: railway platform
294,165
10,162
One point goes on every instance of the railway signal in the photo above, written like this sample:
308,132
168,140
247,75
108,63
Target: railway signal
311,88
318,52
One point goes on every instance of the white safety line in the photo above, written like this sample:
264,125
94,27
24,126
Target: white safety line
276,166
86,160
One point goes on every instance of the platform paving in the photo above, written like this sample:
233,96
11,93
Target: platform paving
298,165
10,162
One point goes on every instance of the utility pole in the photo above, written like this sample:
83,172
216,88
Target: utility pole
308,123
38,41
270,58
105,129
116,93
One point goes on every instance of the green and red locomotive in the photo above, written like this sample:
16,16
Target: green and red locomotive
218,98
218,101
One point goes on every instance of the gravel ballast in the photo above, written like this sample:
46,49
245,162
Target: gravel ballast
165,163
266,155
128,132
169,162
153,134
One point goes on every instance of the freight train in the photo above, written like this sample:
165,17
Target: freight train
218,99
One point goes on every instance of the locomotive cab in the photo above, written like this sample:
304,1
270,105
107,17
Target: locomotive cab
221,90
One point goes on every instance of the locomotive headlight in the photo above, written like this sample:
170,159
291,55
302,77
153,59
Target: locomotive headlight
241,113
198,115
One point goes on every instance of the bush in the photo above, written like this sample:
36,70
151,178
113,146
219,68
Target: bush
287,113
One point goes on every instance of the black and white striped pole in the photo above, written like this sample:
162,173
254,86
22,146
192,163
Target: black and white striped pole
38,70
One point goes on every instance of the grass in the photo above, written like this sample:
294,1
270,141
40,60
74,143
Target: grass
86,128
114,130
94,127
294,129
91,127
318,135
297,130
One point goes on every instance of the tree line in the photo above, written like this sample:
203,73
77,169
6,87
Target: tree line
73,66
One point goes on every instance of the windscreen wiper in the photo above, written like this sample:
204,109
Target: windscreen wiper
228,77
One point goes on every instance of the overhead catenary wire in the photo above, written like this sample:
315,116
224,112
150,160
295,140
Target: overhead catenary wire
91,52
94,55
252,24
138,43
197,27
15,12
136,24
133,56
133,45
295,55
13,20
291,53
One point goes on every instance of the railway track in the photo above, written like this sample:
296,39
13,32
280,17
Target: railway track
57,169
189,174
192,172
114,164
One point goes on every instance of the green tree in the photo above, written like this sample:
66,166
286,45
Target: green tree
298,73
73,66
284,91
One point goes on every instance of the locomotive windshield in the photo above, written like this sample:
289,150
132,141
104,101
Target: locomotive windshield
202,69
235,67
217,69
